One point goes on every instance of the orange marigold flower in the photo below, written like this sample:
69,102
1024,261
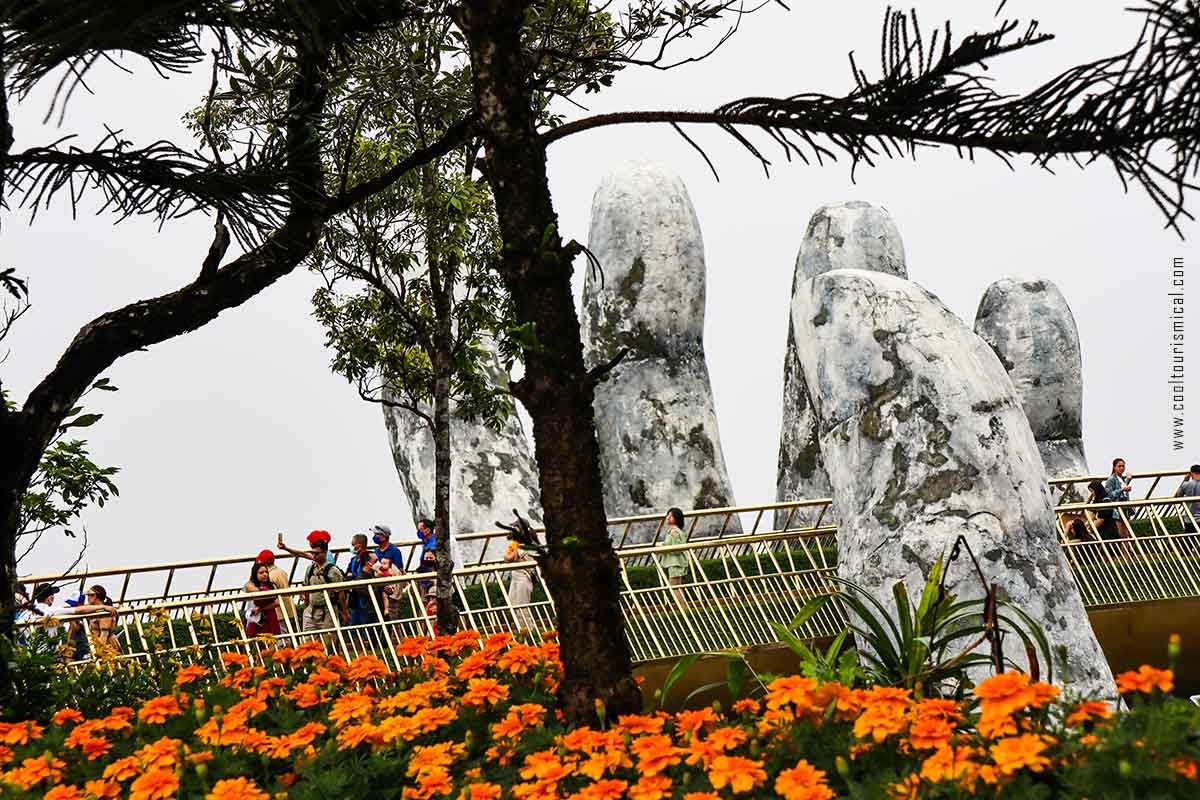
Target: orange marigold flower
993,724
162,754
950,764
1086,712
190,674
235,660
305,734
519,659
483,692
473,666
122,769
157,784
1185,767
6,754
1145,679
1010,692
65,716
746,706
236,789
651,787
544,765
350,707
95,747
1020,752
160,709
933,723
726,738
18,733
740,774
885,710
203,757
654,753
638,724
63,792
803,782
102,789
35,770
365,668
412,647
701,796
794,690
481,791
437,781
355,735
689,722
602,790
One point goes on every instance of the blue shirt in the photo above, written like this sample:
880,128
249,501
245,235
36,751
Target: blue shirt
392,552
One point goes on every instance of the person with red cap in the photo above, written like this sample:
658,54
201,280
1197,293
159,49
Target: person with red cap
279,579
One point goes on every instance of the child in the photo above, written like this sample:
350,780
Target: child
392,591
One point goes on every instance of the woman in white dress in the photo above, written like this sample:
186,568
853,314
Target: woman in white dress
520,587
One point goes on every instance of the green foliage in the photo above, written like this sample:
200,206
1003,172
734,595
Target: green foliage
931,646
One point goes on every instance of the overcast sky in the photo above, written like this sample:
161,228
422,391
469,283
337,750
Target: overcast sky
228,434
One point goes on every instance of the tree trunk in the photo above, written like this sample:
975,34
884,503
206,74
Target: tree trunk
447,617
557,390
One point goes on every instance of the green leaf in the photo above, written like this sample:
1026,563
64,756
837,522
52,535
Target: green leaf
708,687
677,671
82,421
735,673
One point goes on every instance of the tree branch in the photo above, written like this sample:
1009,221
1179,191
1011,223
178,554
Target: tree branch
1137,109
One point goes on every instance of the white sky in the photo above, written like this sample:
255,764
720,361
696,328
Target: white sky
229,434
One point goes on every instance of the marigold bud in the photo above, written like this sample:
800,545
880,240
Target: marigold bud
842,766
1174,645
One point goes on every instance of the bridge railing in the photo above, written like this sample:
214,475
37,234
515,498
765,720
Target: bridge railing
1144,486
736,585
152,584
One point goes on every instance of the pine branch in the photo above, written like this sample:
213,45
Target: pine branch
1139,110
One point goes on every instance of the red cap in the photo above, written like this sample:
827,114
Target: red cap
265,557
319,536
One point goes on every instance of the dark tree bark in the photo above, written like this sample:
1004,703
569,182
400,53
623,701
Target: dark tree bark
557,389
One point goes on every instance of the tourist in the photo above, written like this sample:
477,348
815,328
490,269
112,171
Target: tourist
1116,490
40,604
1190,488
676,563
382,536
1107,526
77,632
428,564
313,538
520,586
280,580
427,533
317,616
262,616
102,629
361,567
390,593
431,608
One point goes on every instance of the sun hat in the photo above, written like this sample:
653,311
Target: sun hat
44,590
76,601
265,557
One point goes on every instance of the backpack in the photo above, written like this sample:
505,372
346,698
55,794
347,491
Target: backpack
316,598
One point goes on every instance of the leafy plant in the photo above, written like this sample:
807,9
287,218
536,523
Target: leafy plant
932,646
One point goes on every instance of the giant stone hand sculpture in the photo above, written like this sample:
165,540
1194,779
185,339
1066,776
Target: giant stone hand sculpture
492,472
1030,326
655,421
853,235
924,438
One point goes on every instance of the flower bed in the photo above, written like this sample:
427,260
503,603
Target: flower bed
476,721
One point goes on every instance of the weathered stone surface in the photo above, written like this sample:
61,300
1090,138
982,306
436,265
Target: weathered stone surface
492,473
659,444
852,235
924,438
1030,326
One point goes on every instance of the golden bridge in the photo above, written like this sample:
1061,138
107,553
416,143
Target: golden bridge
743,576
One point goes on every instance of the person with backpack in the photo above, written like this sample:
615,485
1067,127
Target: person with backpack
317,615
